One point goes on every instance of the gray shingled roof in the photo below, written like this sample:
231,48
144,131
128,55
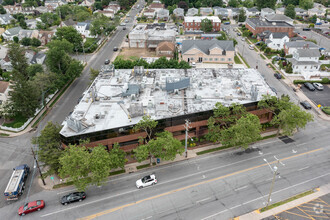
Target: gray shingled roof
299,10
308,52
296,62
269,10
300,44
256,22
279,35
206,45
277,17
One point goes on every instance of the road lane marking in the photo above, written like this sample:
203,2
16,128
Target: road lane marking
203,200
243,187
303,168
188,187
261,197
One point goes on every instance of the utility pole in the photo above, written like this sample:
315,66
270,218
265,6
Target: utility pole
34,156
186,126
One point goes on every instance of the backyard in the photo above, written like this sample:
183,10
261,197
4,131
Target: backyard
135,53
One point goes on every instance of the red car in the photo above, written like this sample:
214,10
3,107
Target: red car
31,207
304,37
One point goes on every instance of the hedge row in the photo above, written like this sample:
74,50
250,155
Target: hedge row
323,81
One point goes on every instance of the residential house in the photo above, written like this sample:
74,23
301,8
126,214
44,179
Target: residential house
214,51
223,12
179,12
305,60
297,39
280,11
252,12
68,23
301,12
156,6
5,19
45,9
4,91
194,22
206,11
108,13
28,34
233,12
319,12
32,23
165,49
38,58
11,33
192,12
17,8
266,11
163,14
45,36
55,3
87,3
114,8
292,46
84,29
257,26
209,36
149,13
279,18
6,64
277,40
29,55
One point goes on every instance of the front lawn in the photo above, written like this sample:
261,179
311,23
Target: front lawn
237,60
18,122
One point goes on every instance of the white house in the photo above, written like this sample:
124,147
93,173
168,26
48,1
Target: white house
149,13
277,40
292,46
11,33
5,19
163,14
319,12
192,12
266,11
300,12
251,12
305,60
179,12
223,12
84,29
4,91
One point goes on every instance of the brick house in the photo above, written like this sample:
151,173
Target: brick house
194,22
203,51
165,49
257,26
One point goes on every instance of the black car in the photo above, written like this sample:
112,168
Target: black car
238,34
306,29
115,49
106,62
73,197
309,86
306,105
278,76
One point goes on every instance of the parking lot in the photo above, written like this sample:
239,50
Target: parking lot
317,209
318,97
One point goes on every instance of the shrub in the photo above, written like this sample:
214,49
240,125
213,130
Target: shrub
325,81
326,110
18,125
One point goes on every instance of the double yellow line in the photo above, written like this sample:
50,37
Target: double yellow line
190,186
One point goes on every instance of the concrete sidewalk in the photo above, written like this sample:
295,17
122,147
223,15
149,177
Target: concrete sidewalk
323,190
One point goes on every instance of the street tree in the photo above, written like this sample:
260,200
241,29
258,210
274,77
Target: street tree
57,59
99,165
265,4
241,15
33,69
117,157
306,4
245,131
74,165
35,42
147,125
290,11
206,25
100,24
49,147
70,34
93,74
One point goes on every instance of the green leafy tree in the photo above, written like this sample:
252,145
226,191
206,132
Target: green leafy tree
265,4
2,10
49,147
35,42
57,59
306,4
100,24
15,39
64,11
74,69
313,19
233,3
99,165
50,19
26,41
33,69
117,157
93,74
246,130
290,12
223,35
147,125
74,165
241,15
290,2
248,3
206,25
70,34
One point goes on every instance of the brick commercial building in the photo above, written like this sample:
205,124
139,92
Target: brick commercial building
256,26
192,23
118,99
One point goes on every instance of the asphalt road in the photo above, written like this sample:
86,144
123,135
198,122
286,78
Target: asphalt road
216,186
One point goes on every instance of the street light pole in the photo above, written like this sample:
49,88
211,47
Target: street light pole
35,159
186,126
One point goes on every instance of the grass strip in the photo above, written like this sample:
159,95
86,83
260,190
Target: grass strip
244,60
4,135
117,172
144,166
262,56
287,200
237,60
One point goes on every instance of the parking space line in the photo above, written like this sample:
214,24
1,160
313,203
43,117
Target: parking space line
292,213
324,202
304,212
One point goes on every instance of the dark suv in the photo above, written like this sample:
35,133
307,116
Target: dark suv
278,75
309,86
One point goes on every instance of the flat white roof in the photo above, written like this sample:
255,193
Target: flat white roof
120,98
200,18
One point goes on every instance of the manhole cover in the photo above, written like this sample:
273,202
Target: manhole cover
286,139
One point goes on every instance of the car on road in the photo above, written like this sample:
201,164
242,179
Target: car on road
309,86
251,47
122,24
107,61
126,21
306,105
304,37
278,75
318,23
226,23
124,28
243,38
238,34
318,86
146,181
115,49
73,197
306,29
31,207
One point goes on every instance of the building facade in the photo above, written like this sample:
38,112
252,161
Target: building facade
192,23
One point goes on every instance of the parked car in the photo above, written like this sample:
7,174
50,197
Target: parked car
278,75
306,29
31,207
309,86
193,64
318,23
126,21
146,181
304,37
115,49
243,38
73,197
251,47
306,105
238,34
318,86
226,23
107,61
124,28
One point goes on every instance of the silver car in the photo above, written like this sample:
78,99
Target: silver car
318,86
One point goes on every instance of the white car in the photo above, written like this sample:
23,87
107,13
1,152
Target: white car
251,47
146,181
318,86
